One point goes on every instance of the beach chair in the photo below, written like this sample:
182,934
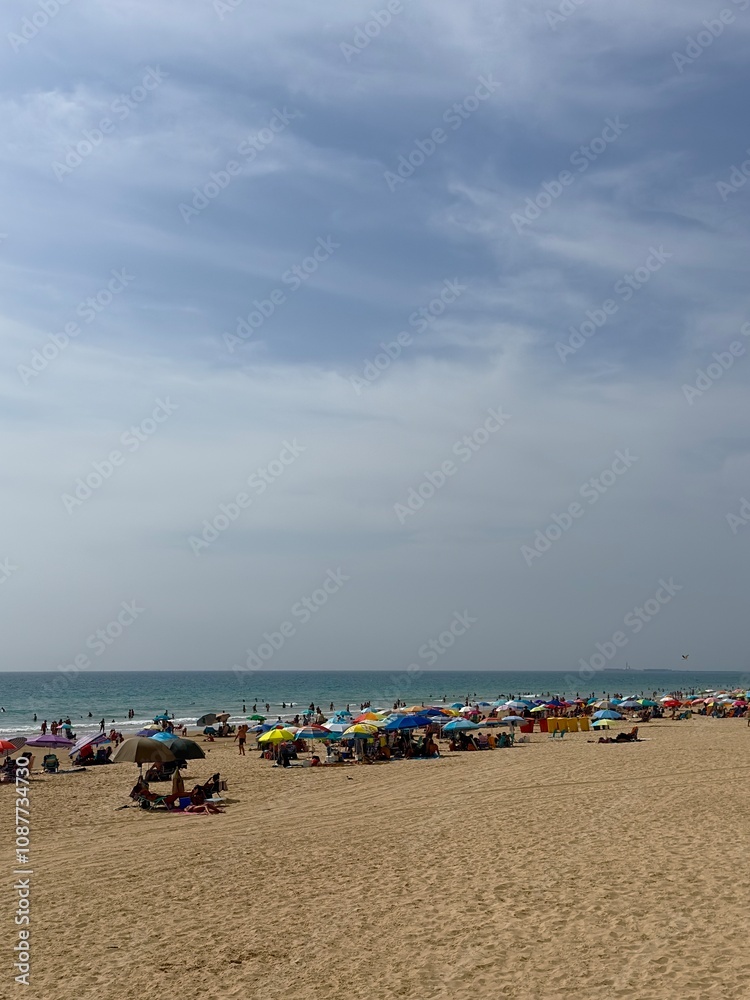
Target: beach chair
558,732
50,763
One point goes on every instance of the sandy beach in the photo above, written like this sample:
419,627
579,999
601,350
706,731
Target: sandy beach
559,865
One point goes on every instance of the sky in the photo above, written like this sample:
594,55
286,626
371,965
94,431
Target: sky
332,331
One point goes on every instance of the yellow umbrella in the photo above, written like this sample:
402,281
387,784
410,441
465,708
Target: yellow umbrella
359,729
276,736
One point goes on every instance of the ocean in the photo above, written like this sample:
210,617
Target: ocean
190,694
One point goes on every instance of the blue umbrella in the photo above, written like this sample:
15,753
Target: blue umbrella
162,736
161,718
459,724
408,722
606,713
457,704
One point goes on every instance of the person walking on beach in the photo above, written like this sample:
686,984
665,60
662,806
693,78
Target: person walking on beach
101,726
44,727
241,736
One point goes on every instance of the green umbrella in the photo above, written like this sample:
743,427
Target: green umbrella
257,718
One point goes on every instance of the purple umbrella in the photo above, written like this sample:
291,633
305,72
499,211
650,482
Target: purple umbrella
49,741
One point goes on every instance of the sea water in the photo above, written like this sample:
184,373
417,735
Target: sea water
88,697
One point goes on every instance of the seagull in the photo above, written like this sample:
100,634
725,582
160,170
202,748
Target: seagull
685,655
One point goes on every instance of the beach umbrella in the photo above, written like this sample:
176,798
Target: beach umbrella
605,704
407,722
257,718
602,724
360,731
161,718
207,720
142,750
630,704
49,742
458,724
521,704
371,717
457,704
512,720
10,746
16,742
87,741
647,703
336,727
607,714
313,733
162,735
184,749
672,703
276,736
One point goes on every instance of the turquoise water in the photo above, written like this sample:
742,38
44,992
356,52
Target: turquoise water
192,693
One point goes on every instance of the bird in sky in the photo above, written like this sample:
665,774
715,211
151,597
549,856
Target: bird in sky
685,655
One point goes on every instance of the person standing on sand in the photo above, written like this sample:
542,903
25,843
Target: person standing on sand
101,726
241,736
44,727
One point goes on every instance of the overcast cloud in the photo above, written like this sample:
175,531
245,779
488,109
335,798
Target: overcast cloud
214,217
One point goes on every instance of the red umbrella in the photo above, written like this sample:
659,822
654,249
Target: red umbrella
9,746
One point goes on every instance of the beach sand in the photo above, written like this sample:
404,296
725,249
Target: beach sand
555,867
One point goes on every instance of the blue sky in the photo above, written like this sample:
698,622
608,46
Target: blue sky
115,114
